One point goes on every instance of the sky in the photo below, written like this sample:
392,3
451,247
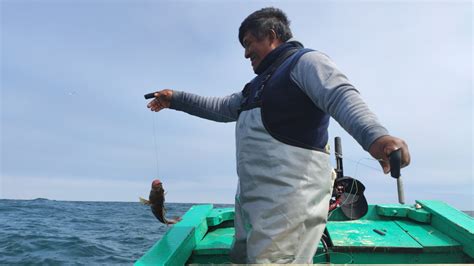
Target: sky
74,123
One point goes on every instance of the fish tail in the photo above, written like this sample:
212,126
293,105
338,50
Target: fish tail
144,201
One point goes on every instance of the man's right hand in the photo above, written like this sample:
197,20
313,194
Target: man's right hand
383,146
162,100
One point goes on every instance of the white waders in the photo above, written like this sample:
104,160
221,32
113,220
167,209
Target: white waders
283,196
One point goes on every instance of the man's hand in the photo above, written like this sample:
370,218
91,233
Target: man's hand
162,100
383,146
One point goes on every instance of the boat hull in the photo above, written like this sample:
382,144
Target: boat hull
429,232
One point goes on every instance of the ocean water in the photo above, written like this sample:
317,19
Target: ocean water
81,233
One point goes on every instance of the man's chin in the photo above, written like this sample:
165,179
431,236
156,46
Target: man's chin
254,67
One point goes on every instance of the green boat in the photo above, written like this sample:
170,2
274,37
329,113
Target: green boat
356,233
427,232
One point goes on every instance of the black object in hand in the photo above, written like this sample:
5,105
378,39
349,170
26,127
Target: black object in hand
150,95
395,163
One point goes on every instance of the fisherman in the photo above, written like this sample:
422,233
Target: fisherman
282,115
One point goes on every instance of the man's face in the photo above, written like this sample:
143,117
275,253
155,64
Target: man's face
256,50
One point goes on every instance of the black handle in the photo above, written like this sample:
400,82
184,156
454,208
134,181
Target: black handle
338,151
337,143
150,95
395,163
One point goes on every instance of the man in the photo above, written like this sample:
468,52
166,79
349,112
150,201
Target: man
282,118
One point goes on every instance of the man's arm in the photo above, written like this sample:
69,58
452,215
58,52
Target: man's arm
220,109
332,92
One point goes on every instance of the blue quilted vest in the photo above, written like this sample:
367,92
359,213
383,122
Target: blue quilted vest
288,114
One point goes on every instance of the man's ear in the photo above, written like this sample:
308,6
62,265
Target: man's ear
272,35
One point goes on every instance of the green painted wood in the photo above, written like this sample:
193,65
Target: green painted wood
392,210
419,215
360,235
402,211
366,256
429,237
209,259
177,244
462,221
218,241
405,240
452,222
217,216
378,258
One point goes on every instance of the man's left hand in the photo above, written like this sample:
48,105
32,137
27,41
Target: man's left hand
383,146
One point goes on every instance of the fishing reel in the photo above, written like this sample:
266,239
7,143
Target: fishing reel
348,192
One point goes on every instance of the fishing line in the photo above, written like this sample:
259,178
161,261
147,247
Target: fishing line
351,259
155,145
378,170
358,162
346,199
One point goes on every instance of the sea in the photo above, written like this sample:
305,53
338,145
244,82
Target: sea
50,232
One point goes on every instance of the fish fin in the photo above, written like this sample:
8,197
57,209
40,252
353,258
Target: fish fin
173,221
144,201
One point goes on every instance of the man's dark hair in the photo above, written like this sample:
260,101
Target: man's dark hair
261,22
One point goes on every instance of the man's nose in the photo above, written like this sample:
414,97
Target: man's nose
247,53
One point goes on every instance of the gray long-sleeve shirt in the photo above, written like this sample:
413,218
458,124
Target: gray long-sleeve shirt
319,78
